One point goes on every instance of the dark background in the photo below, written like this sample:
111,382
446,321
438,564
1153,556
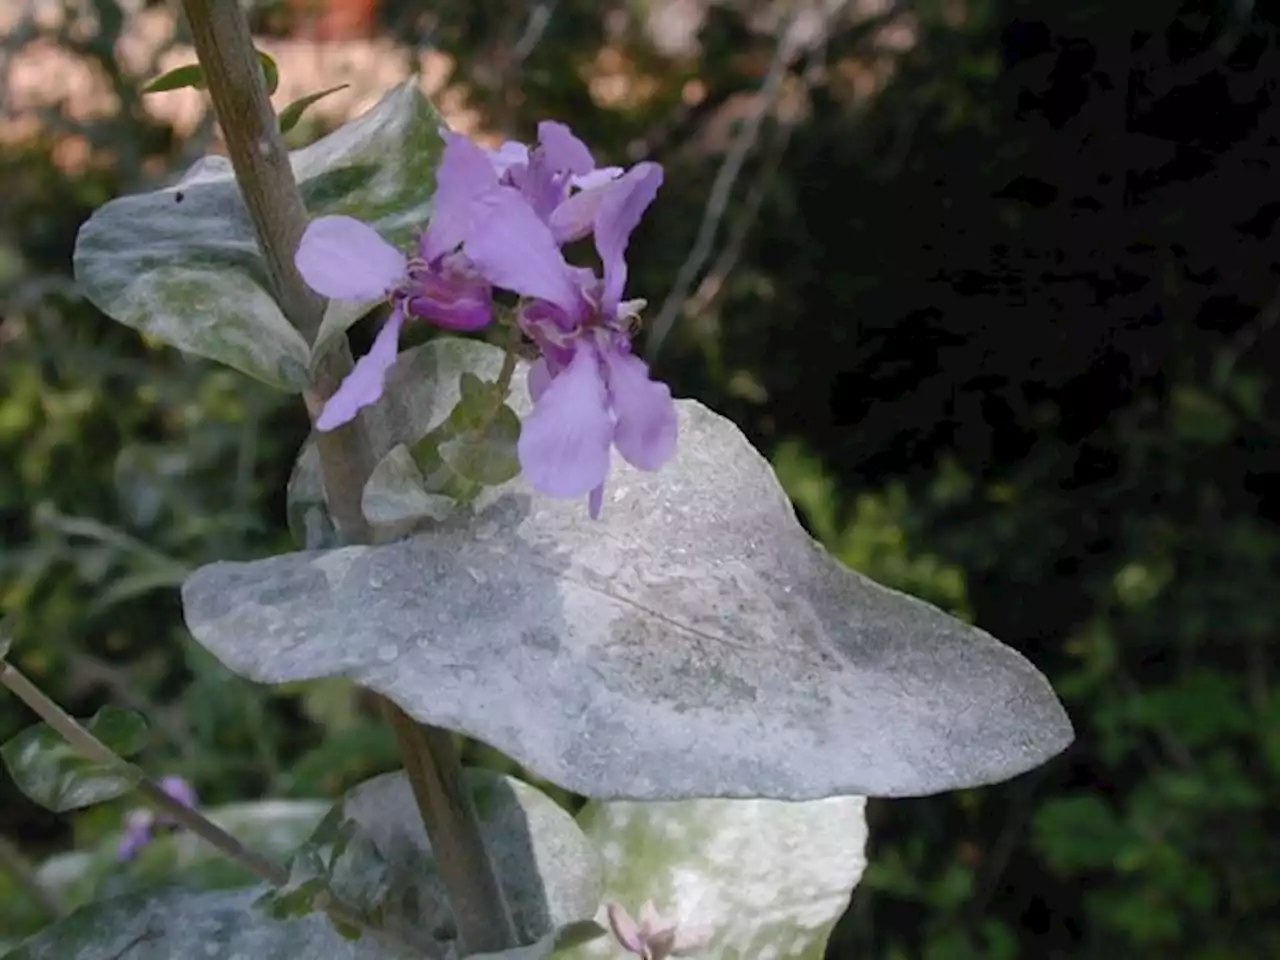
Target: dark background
1000,304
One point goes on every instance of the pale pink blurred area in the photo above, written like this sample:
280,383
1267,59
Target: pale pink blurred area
43,74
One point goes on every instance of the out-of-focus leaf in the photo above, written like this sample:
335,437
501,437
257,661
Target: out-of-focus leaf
53,774
292,113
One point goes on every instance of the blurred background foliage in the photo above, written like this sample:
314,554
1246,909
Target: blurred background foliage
995,285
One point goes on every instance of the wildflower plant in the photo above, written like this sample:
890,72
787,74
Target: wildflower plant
654,631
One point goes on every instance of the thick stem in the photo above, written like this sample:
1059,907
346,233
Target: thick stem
235,83
434,771
233,73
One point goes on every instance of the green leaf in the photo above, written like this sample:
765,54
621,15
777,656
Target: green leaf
739,879
178,924
190,75
372,852
270,72
292,113
182,263
53,774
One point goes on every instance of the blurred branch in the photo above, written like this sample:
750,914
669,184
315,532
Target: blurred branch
726,177
790,48
714,282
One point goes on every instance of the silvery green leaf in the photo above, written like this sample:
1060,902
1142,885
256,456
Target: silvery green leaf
734,879
182,264
177,924
693,642
58,777
549,871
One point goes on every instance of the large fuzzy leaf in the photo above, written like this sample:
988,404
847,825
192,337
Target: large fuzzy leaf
693,642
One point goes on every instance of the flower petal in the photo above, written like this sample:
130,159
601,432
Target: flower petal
562,151
539,378
342,258
624,928
647,426
596,178
621,208
451,294
515,250
510,154
363,385
574,217
564,443
466,174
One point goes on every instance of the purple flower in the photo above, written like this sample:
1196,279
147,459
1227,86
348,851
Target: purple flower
140,824
549,174
343,258
590,391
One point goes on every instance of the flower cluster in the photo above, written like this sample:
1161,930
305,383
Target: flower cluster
500,220
140,824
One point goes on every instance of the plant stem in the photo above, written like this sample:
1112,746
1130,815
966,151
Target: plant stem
434,771
234,78
97,751
233,73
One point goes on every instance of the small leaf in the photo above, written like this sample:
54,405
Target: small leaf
270,72
53,774
731,879
292,113
190,75
487,455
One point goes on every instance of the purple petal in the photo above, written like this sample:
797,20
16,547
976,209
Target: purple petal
342,258
574,217
137,834
595,502
510,154
180,790
451,295
562,151
539,379
564,443
466,175
596,178
515,250
363,385
623,205
624,928
647,426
